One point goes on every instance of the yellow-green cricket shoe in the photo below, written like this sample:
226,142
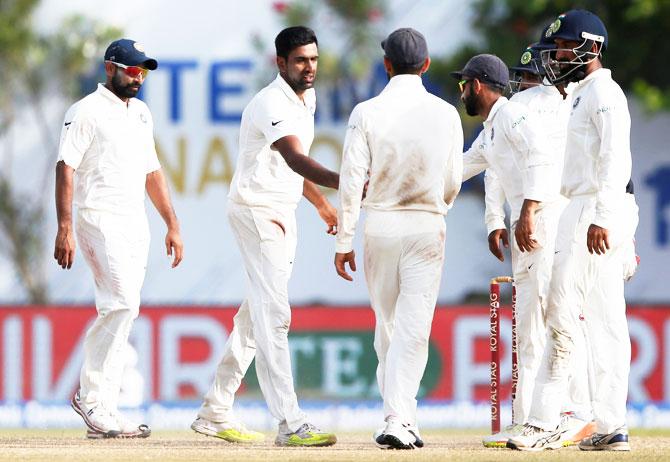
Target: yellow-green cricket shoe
233,432
305,436
499,440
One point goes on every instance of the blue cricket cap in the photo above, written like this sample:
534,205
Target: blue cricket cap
130,53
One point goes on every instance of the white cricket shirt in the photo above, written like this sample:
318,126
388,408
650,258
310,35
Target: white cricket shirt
410,142
552,113
597,155
262,176
110,144
512,145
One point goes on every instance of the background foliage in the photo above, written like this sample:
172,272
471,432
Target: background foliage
34,67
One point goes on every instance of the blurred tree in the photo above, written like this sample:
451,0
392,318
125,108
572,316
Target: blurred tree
637,39
37,70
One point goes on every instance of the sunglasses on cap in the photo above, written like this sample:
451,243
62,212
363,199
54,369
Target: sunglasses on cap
132,71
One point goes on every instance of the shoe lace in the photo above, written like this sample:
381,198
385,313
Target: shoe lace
530,430
239,426
103,411
122,419
308,428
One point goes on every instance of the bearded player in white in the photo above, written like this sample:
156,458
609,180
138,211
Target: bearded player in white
106,162
594,234
523,168
272,173
551,108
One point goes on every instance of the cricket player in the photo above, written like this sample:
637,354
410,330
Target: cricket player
410,142
272,174
106,162
593,236
523,165
551,109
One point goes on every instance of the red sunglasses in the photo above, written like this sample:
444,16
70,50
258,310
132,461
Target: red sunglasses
132,71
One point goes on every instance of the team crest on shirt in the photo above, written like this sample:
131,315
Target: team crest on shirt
576,103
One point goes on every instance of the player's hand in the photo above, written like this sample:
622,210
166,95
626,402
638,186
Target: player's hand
525,227
328,213
174,246
64,247
597,240
340,260
495,237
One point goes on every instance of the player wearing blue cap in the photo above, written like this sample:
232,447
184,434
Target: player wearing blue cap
593,234
551,110
106,162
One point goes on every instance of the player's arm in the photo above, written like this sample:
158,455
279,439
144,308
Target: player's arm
292,151
534,160
612,121
494,215
356,162
474,161
77,134
453,167
157,189
65,244
327,212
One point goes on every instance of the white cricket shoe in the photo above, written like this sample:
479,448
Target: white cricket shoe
536,439
231,431
499,440
395,436
575,429
414,431
130,429
98,418
615,441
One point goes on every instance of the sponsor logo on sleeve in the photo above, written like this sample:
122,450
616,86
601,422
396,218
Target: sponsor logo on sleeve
576,102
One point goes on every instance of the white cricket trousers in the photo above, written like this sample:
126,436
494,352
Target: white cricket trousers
404,253
578,279
116,249
267,240
532,275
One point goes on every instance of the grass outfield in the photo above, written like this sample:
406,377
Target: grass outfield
458,445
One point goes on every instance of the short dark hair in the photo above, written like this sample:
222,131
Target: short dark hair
293,37
404,69
494,87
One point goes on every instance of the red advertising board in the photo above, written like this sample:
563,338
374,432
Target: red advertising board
178,349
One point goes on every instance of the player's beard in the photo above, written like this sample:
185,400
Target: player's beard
571,72
129,90
298,84
470,101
